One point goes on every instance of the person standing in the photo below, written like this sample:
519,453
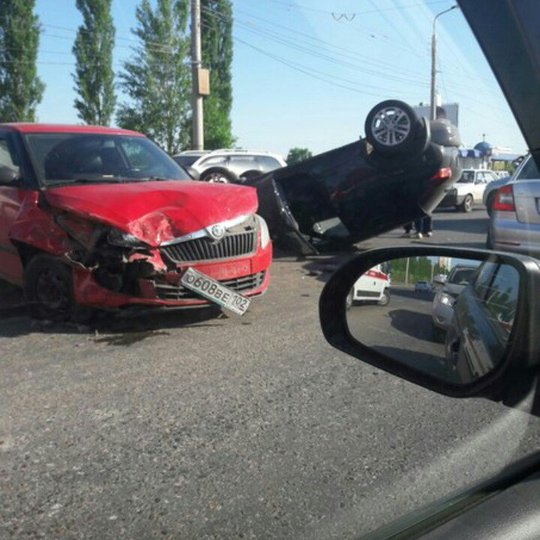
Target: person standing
424,227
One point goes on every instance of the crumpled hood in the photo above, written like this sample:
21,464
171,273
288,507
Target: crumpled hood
156,212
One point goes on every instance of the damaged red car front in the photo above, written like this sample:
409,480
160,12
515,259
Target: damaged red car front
101,217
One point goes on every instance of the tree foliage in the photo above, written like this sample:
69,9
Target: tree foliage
94,75
217,54
296,155
157,78
20,87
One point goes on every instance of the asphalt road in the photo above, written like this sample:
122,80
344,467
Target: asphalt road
182,425
401,330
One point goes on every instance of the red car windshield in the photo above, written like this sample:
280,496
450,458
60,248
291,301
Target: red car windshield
66,158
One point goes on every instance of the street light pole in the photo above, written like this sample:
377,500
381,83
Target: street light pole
197,99
433,94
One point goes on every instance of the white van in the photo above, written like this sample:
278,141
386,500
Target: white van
373,286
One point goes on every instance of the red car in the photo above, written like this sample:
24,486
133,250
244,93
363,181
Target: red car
101,217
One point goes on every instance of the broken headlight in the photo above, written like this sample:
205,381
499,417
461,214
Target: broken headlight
122,239
265,234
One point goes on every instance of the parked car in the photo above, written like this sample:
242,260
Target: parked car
422,286
484,313
468,190
373,286
514,224
226,166
101,217
442,309
349,194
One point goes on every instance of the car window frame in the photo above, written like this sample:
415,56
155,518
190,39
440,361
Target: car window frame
28,177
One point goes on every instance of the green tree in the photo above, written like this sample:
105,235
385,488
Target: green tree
94,76
157,78
20,88
217,54
296,155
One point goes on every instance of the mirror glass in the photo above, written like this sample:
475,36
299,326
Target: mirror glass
446,317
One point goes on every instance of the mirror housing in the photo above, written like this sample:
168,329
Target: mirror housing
513,377
8,176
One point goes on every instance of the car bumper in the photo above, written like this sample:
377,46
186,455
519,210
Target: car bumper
248,276
442,316
509,234
451,200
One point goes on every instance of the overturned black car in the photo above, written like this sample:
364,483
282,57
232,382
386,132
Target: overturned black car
397,173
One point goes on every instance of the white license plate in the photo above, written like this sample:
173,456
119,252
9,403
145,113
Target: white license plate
214,291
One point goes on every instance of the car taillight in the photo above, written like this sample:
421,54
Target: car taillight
442,174
504,200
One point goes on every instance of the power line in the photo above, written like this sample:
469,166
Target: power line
330,79
332,59
291,5
367,32
348,52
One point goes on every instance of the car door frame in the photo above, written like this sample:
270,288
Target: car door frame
12,198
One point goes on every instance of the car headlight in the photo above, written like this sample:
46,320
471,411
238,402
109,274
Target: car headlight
264,232
122,239
446,299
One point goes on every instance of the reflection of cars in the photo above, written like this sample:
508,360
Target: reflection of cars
373,286
514,224
229,165
477,338
403,158
468,190
102,217
422,286
442,309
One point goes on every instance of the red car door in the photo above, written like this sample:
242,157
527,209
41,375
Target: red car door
11,197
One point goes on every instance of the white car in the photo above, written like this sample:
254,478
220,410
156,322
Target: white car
373,286
468,190
227,166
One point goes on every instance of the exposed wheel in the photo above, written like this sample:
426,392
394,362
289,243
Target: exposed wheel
48,288
217,176
385,299
467,204
489,202
349,300
392,127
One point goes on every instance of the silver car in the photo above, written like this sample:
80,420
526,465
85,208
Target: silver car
491,191
226,166
514,224
442,309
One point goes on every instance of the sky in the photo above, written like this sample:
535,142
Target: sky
307,72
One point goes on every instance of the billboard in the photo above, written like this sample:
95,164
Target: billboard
451,109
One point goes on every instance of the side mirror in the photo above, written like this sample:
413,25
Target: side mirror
474,336
8,176
194,173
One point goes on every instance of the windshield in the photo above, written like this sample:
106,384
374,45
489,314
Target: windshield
466,177
461,276
186,160
64,158
529,170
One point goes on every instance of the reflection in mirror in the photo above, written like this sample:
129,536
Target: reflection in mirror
445,317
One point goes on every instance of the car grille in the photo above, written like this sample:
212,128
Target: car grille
167,291
239,240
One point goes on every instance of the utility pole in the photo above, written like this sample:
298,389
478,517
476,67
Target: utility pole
433,93
197,99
